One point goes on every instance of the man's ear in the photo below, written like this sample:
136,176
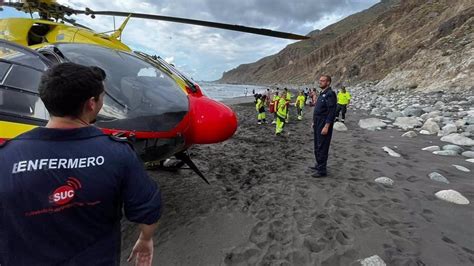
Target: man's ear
90,103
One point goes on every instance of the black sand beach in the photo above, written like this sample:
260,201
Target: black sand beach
264,208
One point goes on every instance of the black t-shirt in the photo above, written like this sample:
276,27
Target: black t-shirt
62,192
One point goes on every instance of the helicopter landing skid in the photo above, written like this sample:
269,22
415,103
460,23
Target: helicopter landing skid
175,165
184,156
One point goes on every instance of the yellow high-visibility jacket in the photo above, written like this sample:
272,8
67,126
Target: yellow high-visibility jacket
343,98
282,107
300,101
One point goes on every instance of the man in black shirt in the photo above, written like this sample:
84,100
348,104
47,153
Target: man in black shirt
323,119
63,187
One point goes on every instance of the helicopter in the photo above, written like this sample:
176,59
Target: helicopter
148,102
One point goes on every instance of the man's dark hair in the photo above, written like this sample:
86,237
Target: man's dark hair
328,78
65,88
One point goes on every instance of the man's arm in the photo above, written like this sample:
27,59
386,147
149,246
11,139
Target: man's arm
331,105
142,205
143,249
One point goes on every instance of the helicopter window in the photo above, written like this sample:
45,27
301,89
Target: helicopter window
22,104
4,67
21,56
147,72
51,57
134,87
24,78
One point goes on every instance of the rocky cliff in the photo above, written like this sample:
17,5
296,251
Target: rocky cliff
400,44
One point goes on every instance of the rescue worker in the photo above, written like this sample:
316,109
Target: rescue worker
314,97
273,106
343,100
288,99
323,119
300,100
268,97
63,187
281,113
260,106
306,95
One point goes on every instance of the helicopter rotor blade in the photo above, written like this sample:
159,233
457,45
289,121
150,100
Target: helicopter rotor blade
73,22
259,31
61,11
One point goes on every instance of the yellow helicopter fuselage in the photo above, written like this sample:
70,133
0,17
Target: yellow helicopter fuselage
37,33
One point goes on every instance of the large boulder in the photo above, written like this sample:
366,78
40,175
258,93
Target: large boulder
431,115
338,126
391,152
458,139
439,105
446,153
431,148
394,115
468,154
377,112
461,168
374,260
460,123
469,119
406,123
452,196
371,123
438,177
451,147
384,181
412,111
449,129
409,134
431,126
469,128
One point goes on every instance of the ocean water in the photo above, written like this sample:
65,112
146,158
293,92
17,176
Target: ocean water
221,92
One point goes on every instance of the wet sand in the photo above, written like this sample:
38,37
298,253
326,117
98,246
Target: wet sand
264,208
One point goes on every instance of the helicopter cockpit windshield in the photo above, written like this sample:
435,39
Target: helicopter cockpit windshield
134,89
20,74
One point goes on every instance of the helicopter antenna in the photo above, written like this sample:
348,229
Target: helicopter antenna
118,33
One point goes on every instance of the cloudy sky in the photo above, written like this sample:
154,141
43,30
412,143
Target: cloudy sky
205,53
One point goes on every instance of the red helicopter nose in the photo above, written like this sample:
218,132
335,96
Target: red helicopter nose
212,121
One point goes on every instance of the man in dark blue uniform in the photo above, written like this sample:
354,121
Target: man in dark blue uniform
323,119
63,187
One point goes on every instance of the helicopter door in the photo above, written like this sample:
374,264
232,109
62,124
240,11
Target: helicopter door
20,74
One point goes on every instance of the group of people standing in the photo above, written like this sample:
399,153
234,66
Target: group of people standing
278,103
327,107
